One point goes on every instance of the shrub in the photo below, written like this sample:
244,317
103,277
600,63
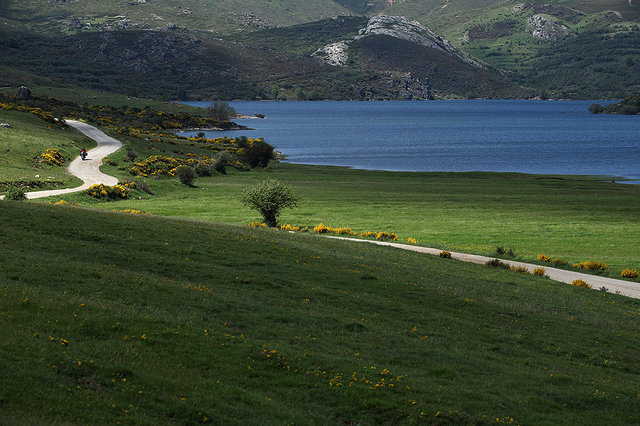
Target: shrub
321,229
412,240
15,193
521,269
269,197
255,152
503,251
143,186
185,175
222,159
384,236
596,108
368,234
580,283
629,273
108,193
202,170
53,156
497,264
445,254
543,258
131,154
257,224
539,271
559,262
591,265
109,162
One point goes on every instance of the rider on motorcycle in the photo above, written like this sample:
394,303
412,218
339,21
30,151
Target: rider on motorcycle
83,153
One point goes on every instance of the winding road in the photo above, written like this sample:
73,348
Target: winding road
89,171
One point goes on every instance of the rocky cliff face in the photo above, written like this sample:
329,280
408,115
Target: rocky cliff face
393,26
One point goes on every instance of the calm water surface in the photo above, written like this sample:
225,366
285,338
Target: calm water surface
555,137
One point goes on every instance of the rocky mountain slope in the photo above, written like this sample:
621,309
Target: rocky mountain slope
274,49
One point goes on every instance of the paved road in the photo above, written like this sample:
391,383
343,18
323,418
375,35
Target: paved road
626,288
89,169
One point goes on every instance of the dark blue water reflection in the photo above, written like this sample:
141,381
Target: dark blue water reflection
557,137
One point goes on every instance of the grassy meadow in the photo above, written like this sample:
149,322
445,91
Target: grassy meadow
23,144
571,217
111,317
188,315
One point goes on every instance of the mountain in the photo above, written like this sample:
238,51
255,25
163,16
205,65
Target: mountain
328,49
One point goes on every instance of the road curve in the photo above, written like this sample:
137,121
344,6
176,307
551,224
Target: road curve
89,169
625,288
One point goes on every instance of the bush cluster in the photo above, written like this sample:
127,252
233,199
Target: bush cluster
591,265
108,193
629,273
185,174
15,193
53,156
580,283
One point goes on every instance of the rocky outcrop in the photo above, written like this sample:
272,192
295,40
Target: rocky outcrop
390,85
397,27
547,28
334,54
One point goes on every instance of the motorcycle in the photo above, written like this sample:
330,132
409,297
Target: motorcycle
83,155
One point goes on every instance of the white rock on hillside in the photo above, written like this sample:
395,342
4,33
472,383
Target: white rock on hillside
545,27
334,53
393,26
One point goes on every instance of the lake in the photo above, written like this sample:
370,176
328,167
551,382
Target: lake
549,137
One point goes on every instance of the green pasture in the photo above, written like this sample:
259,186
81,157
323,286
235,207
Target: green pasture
21,147
111,317
571,217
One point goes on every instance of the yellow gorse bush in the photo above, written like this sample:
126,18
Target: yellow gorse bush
106,192
629,273
53,156
544,258
412,240
591,265
383,236
580,283
521,269
539,271
445,254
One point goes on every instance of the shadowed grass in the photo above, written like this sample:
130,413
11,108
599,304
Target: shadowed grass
113,317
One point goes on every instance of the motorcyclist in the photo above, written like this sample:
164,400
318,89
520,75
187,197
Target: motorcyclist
83,153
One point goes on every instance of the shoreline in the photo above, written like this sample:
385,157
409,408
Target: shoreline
558,176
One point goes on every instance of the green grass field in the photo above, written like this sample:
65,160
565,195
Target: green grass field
110,317
23,144
572,217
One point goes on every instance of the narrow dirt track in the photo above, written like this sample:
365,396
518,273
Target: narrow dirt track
89,169
625,288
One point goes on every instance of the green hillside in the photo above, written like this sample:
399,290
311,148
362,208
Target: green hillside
120,318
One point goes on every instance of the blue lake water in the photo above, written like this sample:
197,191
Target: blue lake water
550,137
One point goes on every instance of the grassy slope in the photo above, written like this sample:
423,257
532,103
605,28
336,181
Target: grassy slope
208,15
112,317
574,218
22,145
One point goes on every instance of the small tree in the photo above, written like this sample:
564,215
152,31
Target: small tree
186,174
221,111
269,197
